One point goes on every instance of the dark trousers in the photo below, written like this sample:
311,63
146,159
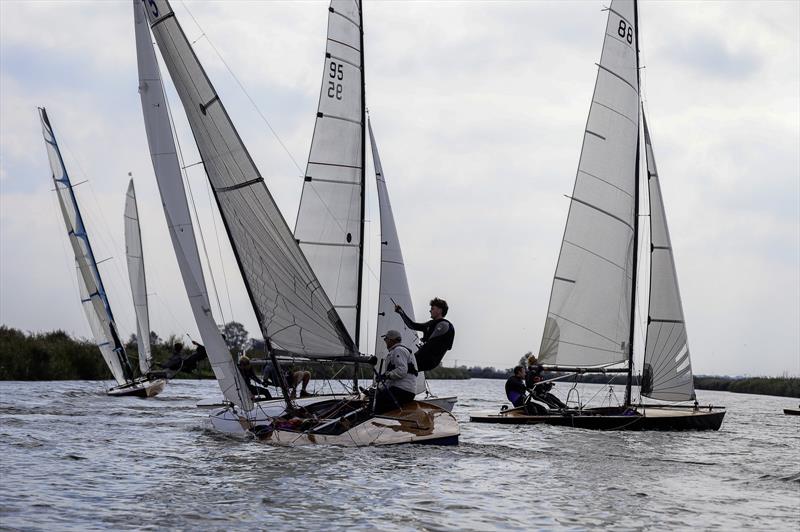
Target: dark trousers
388,399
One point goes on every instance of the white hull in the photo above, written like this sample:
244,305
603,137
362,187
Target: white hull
417,422
139,388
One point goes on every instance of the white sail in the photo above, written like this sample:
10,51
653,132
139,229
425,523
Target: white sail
291,306
135,255
329,223
394,283
667,371
588,319
92,292
173,196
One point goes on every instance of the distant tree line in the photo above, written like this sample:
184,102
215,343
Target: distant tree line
57,356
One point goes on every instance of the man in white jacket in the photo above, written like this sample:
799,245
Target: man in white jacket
398,384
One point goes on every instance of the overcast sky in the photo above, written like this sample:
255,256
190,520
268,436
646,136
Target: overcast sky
478,109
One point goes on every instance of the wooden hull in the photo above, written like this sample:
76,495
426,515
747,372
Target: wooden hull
418,422
791,411
445,403
139,388
652,418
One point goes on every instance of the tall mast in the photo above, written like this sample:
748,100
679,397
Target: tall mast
363,196
636,213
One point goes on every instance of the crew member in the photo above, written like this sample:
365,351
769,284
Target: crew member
254,384
292,378
437,335
515,387
398,385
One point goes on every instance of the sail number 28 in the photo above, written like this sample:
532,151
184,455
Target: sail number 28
625,31
334,87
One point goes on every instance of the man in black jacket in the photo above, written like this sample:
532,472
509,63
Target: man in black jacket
515,387
437,335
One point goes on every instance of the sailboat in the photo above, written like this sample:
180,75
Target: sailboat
295,313
92,292
591,315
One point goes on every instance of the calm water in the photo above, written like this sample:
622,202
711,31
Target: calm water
73,458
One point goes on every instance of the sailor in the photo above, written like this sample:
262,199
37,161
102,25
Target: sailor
293,379
397,386
540,390
254,384
515,387
437,335
533,374
190,362
175,360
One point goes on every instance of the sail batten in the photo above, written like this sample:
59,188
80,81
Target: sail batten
90,284
589,314
293,311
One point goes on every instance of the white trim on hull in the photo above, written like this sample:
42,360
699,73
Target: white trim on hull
416,422
139,388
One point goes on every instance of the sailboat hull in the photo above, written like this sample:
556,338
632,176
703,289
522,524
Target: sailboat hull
791,411
417,422
259,413
647,418
138,388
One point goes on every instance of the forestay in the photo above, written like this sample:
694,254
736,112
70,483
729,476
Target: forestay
588,319
176,210
394,283
329,223
93,294
136,274
292,308
667,372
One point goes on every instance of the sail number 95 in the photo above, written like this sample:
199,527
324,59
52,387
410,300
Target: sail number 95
625,31
334,87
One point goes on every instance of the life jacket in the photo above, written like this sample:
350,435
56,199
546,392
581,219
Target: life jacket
411,368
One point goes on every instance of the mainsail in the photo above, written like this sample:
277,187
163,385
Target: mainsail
330,220
291,306
667,371
93,294
173,196
394,283
133,251
589,315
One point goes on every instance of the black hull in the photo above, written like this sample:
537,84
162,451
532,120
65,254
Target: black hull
612,419
447,440
791,412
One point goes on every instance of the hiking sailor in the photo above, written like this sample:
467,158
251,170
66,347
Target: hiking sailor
398,384
437,335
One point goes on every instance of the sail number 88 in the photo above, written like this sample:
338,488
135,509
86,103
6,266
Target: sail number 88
625,31
334,87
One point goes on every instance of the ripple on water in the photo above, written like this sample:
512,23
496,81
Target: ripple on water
74,458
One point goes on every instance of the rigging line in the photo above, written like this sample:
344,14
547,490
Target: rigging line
188,184
241,86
